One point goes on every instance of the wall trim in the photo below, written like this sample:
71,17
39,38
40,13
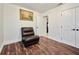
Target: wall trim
10,41
52,38
61,41
7,42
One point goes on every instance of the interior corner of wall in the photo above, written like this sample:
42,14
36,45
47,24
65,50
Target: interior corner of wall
1,47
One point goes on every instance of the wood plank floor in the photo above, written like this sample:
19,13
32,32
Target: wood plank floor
44,47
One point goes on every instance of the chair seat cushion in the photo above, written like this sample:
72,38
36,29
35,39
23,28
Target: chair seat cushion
30,38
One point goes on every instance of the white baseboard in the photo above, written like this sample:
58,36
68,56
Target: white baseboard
61,41
52,38
10,41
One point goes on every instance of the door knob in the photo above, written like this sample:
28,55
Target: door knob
77,29
73,29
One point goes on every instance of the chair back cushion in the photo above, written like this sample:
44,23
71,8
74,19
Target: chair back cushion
27,31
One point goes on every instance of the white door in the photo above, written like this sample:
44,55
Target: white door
54,26
40,26
77,27
68,26
37,22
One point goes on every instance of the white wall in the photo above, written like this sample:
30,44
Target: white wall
55,20
13,24
1,26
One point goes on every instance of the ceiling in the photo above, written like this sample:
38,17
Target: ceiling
39,7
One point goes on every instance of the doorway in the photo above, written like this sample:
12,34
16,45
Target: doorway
46,24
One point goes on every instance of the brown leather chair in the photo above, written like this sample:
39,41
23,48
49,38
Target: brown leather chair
28,37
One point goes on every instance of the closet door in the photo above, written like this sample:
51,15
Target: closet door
77,27
68,27
54,26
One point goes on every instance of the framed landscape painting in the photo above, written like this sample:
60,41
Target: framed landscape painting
26,15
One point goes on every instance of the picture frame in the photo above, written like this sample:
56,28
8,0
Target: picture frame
26,15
